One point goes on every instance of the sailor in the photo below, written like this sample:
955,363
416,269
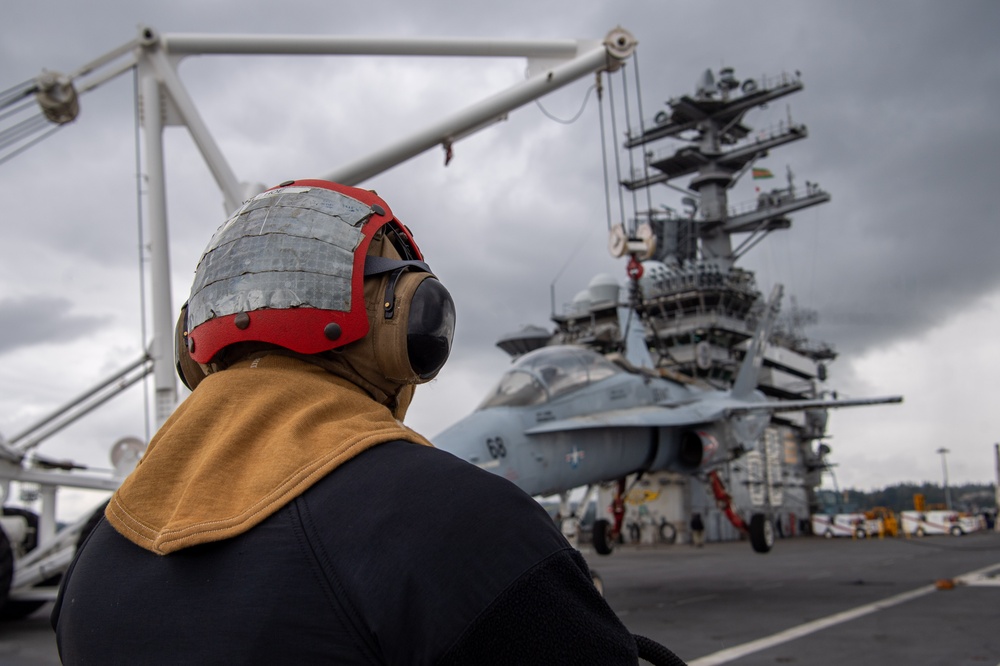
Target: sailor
284,514
697,530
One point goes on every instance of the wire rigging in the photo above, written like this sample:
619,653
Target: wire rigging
626,102
576,117
631,153
38,139
614,133
584,238
642,130
17,92
22,134
604,153
633,287
24,106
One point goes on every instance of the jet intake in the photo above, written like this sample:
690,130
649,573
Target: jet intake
691,450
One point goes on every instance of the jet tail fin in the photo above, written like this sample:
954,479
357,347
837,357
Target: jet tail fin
636,351
746,378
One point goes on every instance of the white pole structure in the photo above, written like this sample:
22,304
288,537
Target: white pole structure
557,63
222,44
551,65
944,469
164,100
165,381
232,193
460,125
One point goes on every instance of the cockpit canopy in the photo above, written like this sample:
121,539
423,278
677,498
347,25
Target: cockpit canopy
547,373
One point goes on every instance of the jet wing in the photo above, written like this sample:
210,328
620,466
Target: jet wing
797,405
692,413
636,417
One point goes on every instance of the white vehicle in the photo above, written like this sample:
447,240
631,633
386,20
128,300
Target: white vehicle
845,525
920,523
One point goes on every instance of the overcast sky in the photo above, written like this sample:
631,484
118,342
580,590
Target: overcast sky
900,101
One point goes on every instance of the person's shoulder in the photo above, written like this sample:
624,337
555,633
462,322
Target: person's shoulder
401,481
434,511
408,463
440,475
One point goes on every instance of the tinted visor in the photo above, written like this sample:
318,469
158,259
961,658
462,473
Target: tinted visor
430,328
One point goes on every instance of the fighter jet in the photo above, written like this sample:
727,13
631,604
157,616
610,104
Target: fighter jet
566,416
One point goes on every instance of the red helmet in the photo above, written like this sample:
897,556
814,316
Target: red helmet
288,269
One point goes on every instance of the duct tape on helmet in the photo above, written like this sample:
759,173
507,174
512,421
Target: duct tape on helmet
288,269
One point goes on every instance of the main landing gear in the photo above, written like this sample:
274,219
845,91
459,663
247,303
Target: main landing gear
760,529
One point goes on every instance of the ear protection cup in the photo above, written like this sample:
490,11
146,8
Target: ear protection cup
430,328
189,370
414,331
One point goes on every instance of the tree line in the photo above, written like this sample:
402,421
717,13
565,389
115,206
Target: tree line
972,498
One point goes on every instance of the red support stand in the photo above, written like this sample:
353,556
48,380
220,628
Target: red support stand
725,502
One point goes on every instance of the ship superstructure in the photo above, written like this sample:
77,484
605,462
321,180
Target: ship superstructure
698,307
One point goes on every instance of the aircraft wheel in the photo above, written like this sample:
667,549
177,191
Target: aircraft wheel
668,533
828,534
6,567
860,533
603,543
957,531
761,533
15,610
31,518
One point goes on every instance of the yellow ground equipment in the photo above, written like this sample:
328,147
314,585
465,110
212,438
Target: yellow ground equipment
887,517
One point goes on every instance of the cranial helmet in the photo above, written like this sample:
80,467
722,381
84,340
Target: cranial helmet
291,268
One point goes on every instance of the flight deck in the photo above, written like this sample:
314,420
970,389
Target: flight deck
916,601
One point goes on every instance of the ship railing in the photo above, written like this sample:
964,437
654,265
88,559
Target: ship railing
749,86
772,198
761,135
772,131
778,80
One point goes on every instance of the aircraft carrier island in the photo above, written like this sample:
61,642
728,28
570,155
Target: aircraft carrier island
698,310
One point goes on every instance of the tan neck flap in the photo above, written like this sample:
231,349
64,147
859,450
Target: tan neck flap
249,440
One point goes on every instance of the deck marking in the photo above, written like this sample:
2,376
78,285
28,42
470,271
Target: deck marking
981,578
738,651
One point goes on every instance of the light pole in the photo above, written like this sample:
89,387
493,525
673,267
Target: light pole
944,467
996,488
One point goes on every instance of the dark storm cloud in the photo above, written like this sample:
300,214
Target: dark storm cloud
899,100
896,98
36,321
900,137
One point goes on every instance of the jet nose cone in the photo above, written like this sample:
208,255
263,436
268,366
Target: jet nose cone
492,440
467,438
